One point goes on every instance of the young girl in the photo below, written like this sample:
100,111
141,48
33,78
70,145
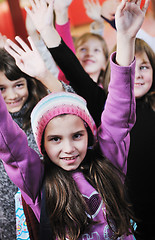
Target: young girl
20,93
84,188
90,48
140,171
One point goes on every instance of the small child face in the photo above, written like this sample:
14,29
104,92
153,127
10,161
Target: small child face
15,93
66,141
91,56
143,75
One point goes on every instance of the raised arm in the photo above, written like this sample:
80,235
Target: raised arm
22,163
30,62
62,25
67,61
93,10
118,116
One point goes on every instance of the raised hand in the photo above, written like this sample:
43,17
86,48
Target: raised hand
41,13
93,9
31,63
129,17
61,11
42,18
108,8
28,60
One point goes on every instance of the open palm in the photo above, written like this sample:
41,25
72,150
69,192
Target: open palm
28,60
129,17
41,14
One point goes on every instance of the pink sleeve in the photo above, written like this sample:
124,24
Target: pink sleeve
64,32
21,163
118,116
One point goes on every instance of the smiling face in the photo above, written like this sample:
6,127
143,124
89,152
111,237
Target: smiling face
15,93
91,56
143,75
66,141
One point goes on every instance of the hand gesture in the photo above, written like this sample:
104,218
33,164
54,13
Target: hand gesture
108,9
129,17
41,13
28,60
93,9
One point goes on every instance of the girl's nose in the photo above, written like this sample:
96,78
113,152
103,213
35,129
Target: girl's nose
138,73
68,146
11,94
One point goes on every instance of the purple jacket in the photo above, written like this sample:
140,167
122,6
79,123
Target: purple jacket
23,164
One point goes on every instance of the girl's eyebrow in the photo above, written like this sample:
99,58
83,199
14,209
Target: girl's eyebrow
79,131
145,61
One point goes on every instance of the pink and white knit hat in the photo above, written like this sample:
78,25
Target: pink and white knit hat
56,104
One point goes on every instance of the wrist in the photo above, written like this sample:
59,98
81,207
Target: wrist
61,16
125,49
50,36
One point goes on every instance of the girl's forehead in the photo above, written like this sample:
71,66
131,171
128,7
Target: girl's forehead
142,56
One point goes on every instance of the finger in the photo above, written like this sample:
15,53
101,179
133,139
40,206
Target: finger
32,44
138,2
10,50
145,7
14,47
22,43
33,4
29,12
43,3
86,3
51,6
122,5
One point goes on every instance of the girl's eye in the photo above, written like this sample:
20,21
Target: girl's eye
77,136
82,49
55,139
97,50
20,85
144,67
2,89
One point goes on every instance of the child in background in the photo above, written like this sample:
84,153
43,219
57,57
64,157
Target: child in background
90,49
106,11
92,52
20,93
142,141
141,165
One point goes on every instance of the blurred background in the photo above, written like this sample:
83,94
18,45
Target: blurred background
12,20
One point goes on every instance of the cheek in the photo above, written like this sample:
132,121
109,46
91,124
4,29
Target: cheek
25,94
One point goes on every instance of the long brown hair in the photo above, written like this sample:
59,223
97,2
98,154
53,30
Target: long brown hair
140,47
35,88
66,206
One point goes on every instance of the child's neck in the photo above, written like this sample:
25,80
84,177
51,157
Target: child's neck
94,76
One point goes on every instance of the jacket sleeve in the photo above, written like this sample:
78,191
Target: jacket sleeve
65,33
80,80
22,163
118,116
